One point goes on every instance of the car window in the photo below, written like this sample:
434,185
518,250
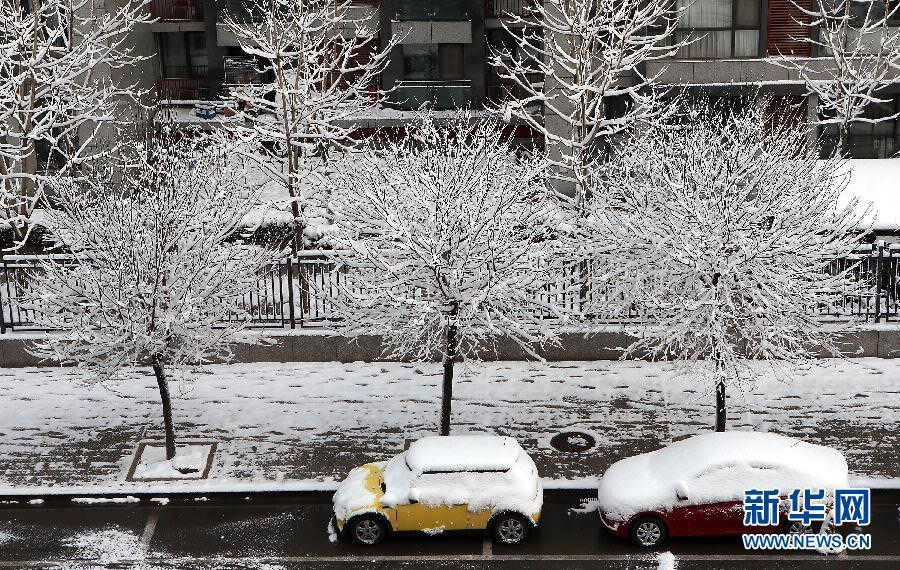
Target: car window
455,488
718,483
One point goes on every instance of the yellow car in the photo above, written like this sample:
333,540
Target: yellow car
442,484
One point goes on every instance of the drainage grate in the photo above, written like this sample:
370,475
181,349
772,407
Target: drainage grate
573,441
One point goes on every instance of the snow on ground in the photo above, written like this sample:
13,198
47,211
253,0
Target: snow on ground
189,461
666,561
281,422
107,545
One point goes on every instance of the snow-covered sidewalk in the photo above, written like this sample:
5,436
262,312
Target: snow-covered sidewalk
289,424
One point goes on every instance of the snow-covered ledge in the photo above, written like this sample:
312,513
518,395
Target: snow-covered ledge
318,345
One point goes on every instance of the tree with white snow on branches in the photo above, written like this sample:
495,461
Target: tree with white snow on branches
154,277
320,65
724,227
57,92
446,234
572,60
856,49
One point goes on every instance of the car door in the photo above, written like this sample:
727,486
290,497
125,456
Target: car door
433,504
709,519
710,508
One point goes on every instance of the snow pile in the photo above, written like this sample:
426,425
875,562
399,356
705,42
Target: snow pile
355,494
107,545
666,561
189,462
463,453
105,501
717,467
587,506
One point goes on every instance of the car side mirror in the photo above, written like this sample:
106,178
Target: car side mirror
681,491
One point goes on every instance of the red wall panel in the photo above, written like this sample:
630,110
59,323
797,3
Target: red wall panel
785,28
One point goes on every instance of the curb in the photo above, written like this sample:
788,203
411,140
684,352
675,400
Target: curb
144,498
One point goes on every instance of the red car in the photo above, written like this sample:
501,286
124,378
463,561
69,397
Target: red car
695,487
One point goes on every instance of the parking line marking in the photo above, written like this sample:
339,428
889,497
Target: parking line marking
487,546
149,529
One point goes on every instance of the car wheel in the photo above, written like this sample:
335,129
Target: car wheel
510,528
368,530
648,532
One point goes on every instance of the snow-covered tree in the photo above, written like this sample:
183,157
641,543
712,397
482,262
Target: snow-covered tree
856,50
57,90
153,276
573,60
319,64
447,232
725,227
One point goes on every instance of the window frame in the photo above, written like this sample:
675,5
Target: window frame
733,29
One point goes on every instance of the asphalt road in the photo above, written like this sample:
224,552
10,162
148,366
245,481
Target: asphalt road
289,531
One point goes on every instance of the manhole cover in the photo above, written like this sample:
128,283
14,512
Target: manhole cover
576,441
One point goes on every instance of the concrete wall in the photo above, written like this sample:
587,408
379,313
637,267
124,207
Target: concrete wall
574,346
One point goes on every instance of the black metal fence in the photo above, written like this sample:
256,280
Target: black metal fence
299,292
294,292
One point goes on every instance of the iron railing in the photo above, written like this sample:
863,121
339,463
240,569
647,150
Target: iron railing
300,291
439,94
505,8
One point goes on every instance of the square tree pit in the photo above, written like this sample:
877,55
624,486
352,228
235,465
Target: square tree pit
193,460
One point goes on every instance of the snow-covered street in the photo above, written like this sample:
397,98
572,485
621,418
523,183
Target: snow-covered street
303,421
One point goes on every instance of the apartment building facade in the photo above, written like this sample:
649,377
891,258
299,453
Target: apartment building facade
443,55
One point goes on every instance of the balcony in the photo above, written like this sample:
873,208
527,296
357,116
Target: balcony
177,10
183,84
439,95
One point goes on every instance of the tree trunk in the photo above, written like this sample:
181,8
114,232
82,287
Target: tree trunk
844,140
720,406
160,372
449,357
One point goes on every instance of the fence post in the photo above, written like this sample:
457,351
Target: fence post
878,282
2,312
290,269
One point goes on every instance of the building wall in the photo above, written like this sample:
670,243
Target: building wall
778,35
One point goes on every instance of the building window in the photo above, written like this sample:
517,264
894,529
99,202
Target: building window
868,140
431,10
873,11
719,28
430,62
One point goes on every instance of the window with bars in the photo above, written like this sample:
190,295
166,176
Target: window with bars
719,29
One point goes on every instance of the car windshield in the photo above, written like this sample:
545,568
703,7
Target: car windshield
395,480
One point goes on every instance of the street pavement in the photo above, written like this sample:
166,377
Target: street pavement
275,422
289,532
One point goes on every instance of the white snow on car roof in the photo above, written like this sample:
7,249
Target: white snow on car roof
689,457
463,453
717,467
